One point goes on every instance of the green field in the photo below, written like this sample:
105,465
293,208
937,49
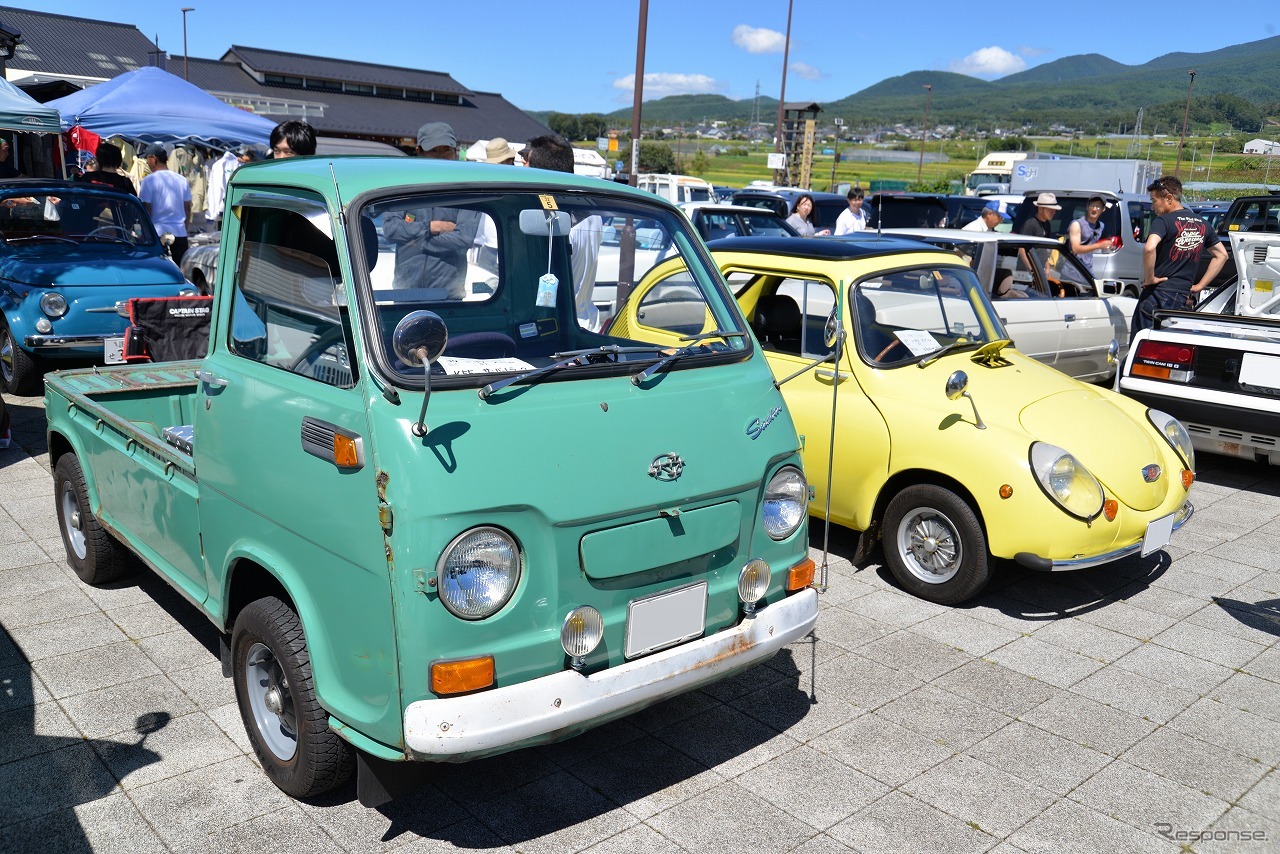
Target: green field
738,170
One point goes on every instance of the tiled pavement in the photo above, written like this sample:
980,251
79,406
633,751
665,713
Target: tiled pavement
1107,710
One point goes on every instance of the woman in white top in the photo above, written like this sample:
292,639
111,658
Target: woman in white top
801,218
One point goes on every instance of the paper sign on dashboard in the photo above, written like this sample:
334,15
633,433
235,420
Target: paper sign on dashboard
918,341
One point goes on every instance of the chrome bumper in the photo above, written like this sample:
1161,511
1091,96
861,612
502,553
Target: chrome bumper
566,703
1045,565
57,342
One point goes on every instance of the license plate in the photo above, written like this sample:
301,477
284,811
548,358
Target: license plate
1258,370
1158,535
113,350
665,619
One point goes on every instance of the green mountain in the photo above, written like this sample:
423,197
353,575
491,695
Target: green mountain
1089,90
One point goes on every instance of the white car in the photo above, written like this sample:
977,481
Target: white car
1050,305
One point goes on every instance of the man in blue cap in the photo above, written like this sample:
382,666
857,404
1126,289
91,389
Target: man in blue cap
992,215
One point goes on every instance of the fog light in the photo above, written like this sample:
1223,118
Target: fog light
461,676
581,633
1188,478
753,583
1109,509
43,326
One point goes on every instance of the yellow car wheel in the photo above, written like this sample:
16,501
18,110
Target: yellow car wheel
935,545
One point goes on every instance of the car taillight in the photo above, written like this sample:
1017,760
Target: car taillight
1116,242
1164,361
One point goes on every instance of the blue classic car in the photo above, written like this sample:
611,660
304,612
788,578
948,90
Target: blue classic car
71,255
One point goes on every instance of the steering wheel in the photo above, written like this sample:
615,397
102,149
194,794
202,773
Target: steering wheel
330,339
897,342
105,230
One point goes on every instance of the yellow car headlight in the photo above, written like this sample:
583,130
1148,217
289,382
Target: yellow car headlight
1064,479
1175,434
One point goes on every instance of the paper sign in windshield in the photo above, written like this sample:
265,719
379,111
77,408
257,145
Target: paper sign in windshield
456,365
918,341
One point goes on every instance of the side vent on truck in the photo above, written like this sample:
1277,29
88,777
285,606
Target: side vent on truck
333,444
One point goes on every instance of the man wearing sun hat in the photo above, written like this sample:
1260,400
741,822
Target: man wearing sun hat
1038,225
498,150
991,215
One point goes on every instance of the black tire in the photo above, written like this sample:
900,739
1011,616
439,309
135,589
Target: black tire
274,689
95,555
19,373
1130,291
935,545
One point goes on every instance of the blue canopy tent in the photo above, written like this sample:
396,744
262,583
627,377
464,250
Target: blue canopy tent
19,111
151,105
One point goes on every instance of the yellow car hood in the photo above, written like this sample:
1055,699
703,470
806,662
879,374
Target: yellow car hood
1109,441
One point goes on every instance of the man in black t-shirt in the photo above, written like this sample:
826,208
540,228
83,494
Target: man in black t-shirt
107,174
1177,239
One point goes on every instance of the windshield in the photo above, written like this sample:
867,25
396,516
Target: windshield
901,317
522,278
73,217
976,178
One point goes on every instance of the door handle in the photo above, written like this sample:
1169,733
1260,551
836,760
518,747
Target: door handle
1068,317
210,379
831,375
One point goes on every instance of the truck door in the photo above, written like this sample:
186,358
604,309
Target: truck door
281,435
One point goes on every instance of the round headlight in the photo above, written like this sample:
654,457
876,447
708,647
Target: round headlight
785,502
53,304
188,292
1175,434
478,573
582,631
1066,480
753,581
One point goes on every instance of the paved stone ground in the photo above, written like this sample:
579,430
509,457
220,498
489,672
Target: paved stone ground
1107,710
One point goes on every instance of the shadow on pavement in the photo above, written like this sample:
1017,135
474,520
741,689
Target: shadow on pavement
1263,616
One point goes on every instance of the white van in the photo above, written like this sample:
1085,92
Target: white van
677,189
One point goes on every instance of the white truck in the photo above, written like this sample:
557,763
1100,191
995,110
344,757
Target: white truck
1217,369
1116,176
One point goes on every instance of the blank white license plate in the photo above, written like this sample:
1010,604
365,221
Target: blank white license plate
665,619
113,350
1260,370
1158,535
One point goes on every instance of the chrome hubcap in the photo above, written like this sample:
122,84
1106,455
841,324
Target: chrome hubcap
930,546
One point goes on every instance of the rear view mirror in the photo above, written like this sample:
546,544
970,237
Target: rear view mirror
540,223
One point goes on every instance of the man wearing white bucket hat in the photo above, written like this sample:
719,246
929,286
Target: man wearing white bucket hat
1038,225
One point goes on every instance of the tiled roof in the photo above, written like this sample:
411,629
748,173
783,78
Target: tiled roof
299,65
66,45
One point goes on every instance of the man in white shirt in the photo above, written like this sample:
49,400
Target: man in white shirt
219,175
855,218
167,197
992,215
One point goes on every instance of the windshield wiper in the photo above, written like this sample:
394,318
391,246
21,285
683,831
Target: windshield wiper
694,342
929,358
26,237
567,359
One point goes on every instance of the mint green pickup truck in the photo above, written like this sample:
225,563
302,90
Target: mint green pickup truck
438,506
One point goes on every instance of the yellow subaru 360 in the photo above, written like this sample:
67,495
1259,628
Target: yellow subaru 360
952,447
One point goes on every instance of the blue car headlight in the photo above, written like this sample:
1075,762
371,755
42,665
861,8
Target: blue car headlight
53,304
1065,479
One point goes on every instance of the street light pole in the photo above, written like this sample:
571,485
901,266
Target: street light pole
1185,116
924,131
779,146
638,96
185,10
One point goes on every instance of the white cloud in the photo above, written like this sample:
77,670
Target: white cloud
662,84
806,71
989,62
758,39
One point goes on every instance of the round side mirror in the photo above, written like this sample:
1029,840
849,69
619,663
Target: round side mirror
956,384
831,332
1113,351
419,338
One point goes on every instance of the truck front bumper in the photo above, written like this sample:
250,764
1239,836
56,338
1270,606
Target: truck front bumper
564,704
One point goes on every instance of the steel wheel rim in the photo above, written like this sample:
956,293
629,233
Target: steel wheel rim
72,525
930,545
271,702
6,355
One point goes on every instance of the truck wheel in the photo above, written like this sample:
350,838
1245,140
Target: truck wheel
95,555
288,727
18,371
935,545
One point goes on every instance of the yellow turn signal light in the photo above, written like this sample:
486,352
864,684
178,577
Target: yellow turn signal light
1188,478
1006,491
800,576
344,451
462,675
1109,509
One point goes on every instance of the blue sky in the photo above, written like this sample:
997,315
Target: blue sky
581,57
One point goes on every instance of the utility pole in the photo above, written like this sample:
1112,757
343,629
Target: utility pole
1209,175
924,131
779,145
637,98
1185,117
185,10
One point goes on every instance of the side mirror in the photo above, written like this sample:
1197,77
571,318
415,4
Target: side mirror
419,338
1113,351
832,331
539,223
956,385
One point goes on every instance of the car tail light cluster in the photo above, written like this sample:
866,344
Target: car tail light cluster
1164,361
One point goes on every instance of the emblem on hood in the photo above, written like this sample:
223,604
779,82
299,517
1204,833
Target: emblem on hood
666,467
1151,473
